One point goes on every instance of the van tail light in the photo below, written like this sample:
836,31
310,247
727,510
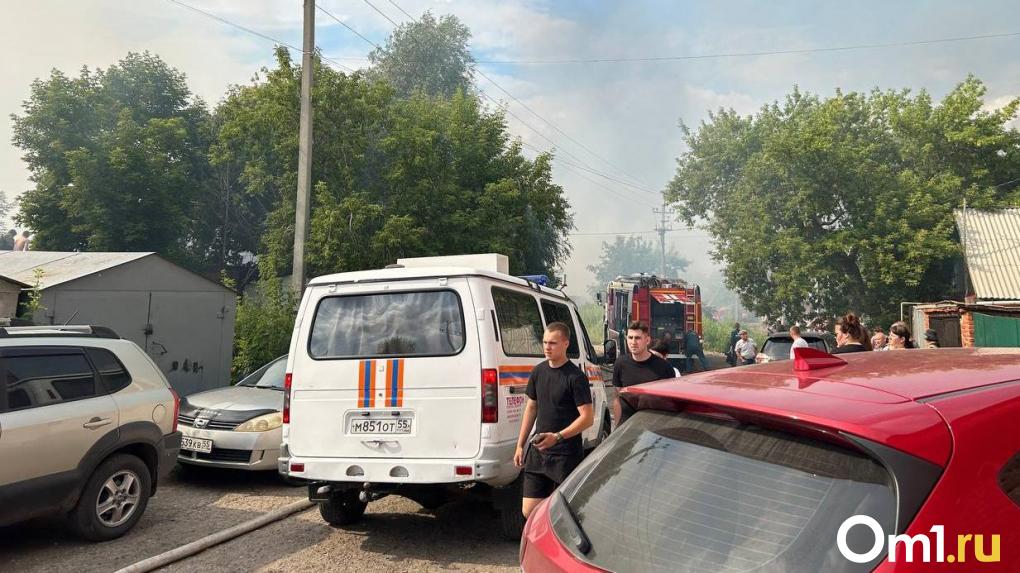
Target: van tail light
177,408
288,379
490,395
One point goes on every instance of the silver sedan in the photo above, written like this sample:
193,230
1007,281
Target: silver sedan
238,427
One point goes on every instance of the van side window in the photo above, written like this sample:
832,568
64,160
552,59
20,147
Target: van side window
520,324
32,381
584,335
110,369
1009,478
556,312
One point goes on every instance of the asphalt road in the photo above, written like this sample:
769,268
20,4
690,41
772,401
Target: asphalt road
396,534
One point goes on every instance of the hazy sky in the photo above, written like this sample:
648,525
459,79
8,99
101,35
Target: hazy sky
625,114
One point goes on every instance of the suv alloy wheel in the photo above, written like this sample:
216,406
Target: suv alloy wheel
113,500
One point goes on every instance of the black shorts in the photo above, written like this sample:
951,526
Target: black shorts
543,473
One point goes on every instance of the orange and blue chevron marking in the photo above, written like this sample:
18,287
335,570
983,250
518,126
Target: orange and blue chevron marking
514,375
395,383
366,384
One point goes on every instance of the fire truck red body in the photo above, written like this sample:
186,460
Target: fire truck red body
670,307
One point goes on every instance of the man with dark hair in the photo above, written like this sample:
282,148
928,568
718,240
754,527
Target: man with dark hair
731,353
559,406
638,365
7,241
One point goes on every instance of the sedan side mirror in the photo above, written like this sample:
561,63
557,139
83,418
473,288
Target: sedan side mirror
609,351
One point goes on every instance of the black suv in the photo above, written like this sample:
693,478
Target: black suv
777,345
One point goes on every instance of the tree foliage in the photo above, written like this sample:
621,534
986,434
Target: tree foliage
428,55
393,177
118,159
265,320
630,255
819,206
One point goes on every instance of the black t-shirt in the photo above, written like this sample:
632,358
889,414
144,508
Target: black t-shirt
628,372
852,347
558,393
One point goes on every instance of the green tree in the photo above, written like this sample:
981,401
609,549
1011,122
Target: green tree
631,255
430,55
393,177
819,206
118,158
265,320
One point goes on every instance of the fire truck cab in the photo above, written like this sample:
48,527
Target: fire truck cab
670,307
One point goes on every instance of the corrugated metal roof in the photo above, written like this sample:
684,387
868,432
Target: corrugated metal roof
60,267
991,241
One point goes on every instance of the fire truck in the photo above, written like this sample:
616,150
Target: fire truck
670,308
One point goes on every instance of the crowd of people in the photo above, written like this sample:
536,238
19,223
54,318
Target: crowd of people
851,336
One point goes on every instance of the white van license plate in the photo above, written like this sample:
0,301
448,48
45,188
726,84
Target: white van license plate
380,426
196,445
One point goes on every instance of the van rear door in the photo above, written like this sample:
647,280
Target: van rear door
387,370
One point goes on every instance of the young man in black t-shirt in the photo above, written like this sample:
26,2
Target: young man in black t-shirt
559,406
639,365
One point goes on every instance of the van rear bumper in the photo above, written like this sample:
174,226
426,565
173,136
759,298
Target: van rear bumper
494,466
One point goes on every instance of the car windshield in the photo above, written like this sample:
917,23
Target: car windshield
685,493
269,376
779,348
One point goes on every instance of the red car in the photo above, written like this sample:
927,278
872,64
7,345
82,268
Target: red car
817,464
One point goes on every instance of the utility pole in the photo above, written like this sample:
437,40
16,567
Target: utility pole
665,213
304,197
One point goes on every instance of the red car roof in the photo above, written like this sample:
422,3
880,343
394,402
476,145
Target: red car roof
874,396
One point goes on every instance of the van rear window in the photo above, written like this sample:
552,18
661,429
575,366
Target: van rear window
424,323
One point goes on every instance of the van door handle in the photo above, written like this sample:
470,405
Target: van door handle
96,422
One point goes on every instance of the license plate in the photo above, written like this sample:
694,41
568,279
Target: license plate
391,425
196,445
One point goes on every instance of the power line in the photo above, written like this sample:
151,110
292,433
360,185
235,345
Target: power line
582,166
255,32
580,171
482,92
382,14
557,129
693,235
401,9
544,120
753,54
344,24
553,143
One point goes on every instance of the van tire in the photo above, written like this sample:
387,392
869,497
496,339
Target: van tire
511,521
343,508
86,522
508,504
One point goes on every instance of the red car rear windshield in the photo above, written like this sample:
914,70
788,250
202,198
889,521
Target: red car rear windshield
684,493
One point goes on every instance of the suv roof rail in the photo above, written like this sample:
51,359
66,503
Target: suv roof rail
58,330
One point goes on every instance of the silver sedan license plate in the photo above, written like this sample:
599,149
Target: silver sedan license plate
376,426
196,445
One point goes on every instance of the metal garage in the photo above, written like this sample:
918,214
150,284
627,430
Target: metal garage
184,321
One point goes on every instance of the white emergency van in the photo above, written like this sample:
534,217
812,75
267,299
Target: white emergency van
411,381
